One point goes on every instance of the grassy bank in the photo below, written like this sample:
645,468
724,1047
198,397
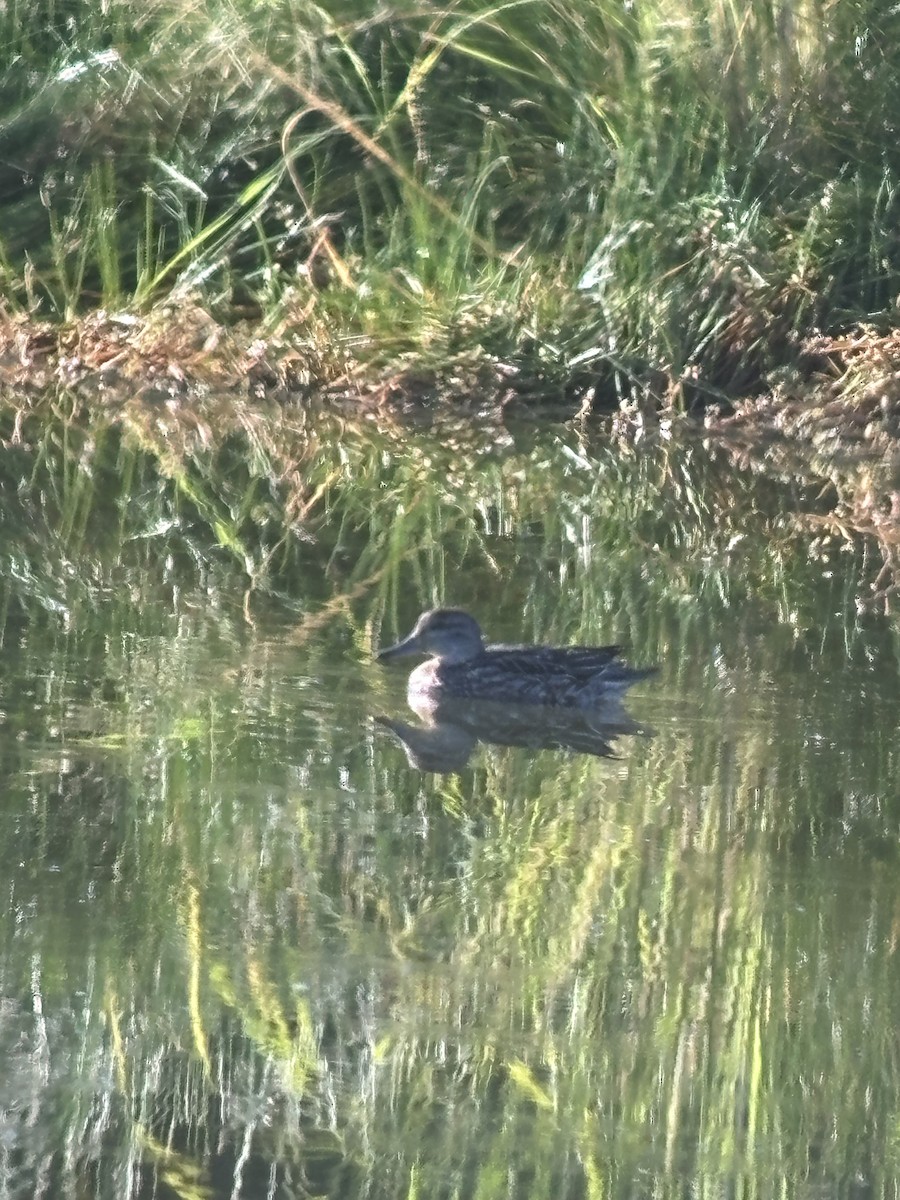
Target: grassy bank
567,198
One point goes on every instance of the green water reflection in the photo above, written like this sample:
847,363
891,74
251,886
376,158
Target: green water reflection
248,950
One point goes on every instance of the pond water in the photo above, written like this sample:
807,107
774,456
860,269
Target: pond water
256,944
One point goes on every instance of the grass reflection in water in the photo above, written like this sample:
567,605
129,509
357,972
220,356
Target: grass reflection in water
248,950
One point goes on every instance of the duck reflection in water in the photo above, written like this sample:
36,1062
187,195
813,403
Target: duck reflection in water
535,696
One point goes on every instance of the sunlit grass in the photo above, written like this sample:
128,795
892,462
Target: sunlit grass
592,192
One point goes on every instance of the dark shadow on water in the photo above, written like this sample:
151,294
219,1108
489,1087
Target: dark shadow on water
451,731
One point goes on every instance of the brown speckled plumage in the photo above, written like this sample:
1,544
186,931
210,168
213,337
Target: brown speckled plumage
460,666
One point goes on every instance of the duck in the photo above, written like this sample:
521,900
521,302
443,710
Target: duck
460,666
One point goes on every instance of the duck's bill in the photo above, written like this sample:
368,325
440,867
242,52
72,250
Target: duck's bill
409,645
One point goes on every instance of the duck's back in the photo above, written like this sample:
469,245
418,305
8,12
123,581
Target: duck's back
576,676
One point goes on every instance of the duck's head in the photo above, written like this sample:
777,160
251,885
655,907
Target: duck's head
448,634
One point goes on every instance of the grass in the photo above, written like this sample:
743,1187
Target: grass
589,193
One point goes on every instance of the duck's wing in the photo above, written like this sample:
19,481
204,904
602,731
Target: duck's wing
589,659
559,655
549,662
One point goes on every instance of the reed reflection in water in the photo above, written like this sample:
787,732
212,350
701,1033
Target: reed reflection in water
247,950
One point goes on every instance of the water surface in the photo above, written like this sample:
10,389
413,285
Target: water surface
250,948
